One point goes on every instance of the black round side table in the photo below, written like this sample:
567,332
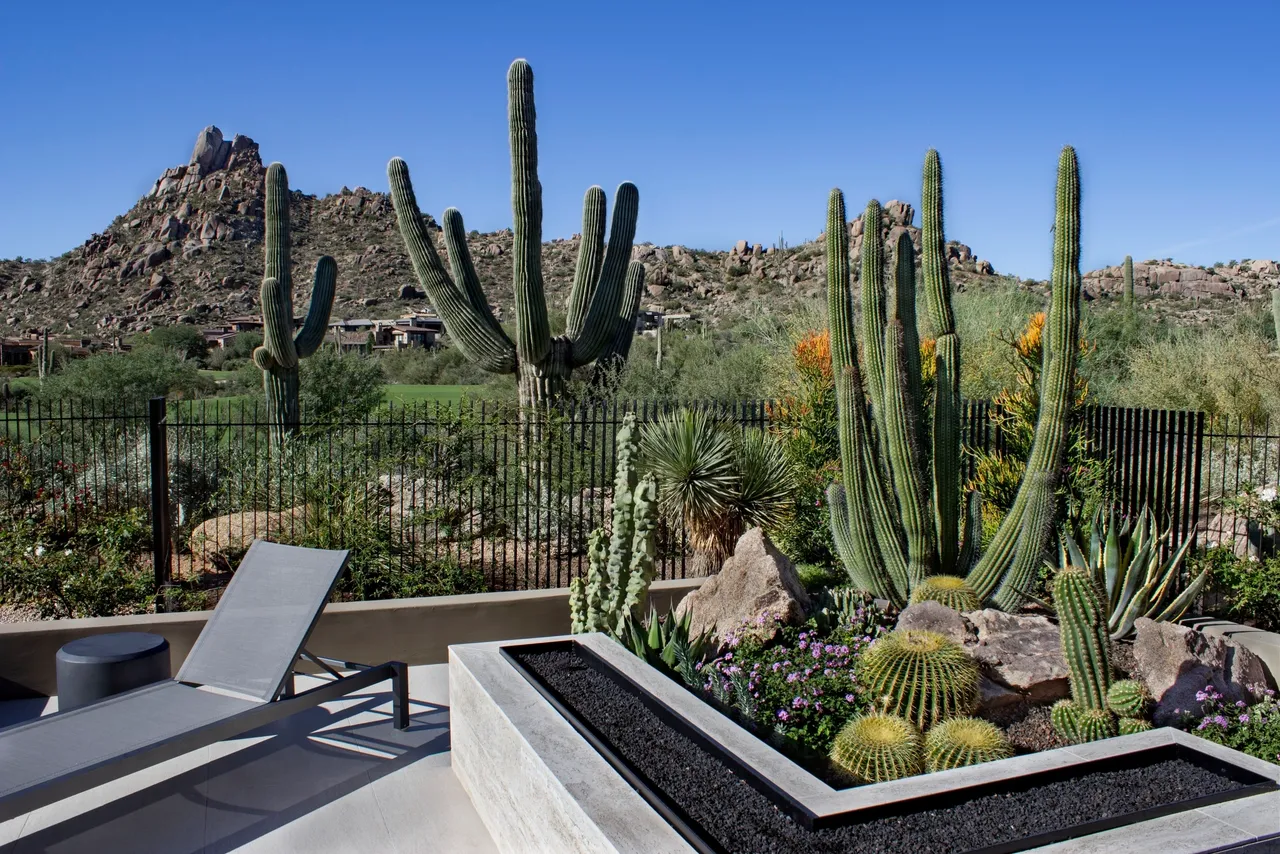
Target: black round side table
98,666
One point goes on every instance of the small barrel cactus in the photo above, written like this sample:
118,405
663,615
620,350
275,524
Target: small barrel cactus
1065,716
1131,726
1129,698
923,676
964,741
949,590
1097,724
876,747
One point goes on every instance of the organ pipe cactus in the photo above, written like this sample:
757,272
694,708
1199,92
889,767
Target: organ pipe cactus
621,563
1082,624
281,350
1006,571
543,363
896,511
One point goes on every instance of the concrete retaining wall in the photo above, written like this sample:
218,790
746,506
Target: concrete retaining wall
416,631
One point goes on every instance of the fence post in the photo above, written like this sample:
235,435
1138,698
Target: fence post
159,448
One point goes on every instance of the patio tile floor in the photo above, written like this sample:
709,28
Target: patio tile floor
337,778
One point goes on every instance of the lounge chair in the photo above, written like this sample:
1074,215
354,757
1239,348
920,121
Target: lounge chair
237,677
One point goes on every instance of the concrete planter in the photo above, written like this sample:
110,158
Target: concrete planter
540,786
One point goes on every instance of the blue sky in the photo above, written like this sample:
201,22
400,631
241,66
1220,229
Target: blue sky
734,119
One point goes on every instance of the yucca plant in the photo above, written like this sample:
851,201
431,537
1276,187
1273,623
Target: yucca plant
1125,560
718,479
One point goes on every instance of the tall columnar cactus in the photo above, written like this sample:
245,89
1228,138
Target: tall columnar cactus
896,513
278,356
1082,623
620,564
1128,281
542,363
1006,571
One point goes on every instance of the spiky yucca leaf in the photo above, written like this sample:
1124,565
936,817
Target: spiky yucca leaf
766,480
876,747
693,458
964,741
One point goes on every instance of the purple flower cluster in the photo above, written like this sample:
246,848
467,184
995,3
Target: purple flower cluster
1253,728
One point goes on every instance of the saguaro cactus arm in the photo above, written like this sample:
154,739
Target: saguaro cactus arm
533,334
618,346
464,270
598,326
586,274
481,342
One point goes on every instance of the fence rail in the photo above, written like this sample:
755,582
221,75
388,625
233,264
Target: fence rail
466,488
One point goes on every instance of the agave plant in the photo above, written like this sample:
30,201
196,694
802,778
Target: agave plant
1125,558
666,643
718,479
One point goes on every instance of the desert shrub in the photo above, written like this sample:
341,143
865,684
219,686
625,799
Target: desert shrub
236,353
113,379
1249,590
1252,728
986,318
439,366
184,339
332,386
1235,375
100,566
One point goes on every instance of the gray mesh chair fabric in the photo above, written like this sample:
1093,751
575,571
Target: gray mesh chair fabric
51,747
263,619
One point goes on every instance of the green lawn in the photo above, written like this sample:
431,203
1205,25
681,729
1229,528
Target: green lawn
420,393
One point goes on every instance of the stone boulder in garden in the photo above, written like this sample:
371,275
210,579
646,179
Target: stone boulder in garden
1176,662
755,584
1021,652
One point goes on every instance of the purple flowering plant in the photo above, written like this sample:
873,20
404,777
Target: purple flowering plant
796,681
1252,728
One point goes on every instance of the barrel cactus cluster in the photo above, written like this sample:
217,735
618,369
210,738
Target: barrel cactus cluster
877,747
281,349
896,512
921,675
948,590
606,289
621,561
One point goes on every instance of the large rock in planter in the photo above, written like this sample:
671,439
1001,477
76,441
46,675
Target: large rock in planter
936,617
756,584
1021,652
1176,661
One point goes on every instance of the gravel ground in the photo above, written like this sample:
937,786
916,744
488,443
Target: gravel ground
743,821
17,614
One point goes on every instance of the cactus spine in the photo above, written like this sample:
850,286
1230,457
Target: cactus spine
1006,570
895,513
278,356
876,747
964,741
948,590
921,675
620,564
1128,281
542,363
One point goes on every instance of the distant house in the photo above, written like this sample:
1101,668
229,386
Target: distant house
218,337
415,331
17,352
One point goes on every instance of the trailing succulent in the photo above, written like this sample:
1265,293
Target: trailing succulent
876,747
1126,564
620,563
958,742
278,356
895,513
921,675
606,289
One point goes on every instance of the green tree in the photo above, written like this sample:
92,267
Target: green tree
333,384
114,379
183,339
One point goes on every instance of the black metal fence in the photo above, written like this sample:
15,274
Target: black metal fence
468,486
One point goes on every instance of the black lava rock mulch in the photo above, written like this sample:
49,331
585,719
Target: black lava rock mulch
742,820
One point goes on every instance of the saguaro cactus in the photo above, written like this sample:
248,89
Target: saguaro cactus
281,349
1128,281
543,363
1007,568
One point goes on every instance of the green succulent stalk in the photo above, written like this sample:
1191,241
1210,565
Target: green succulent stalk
281,350
920,675
1083,630
948,590
1129,698
605,284
1128,281
1006,570
964,741
877,747
620,565
1275,312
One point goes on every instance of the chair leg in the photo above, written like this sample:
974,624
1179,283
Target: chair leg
400,694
